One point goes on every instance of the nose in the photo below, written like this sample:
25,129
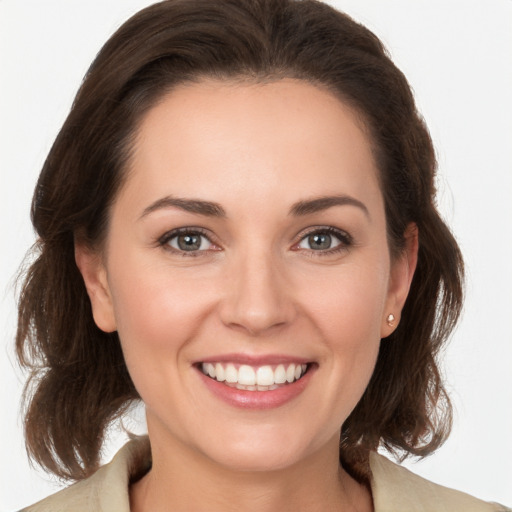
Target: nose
258,297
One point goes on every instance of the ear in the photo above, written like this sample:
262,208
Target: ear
402,272
94,274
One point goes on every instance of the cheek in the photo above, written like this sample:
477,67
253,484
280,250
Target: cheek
349,300
158,315
346,308
156,311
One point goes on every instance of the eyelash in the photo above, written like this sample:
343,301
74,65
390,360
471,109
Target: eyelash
343,237
164,240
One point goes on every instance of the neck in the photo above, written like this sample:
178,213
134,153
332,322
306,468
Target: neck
187,480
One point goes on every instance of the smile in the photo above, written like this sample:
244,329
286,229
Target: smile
254,378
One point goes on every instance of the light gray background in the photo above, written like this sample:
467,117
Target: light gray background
456,55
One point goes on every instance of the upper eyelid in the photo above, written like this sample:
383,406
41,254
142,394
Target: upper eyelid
330,229
163,242
178,231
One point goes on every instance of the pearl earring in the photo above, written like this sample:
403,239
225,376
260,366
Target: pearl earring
390,319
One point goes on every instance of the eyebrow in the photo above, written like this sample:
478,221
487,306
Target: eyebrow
197,206
322,203
212,209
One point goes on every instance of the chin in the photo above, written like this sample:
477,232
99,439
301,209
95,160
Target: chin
260,452
249,461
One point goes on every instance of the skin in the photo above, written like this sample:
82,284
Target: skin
257,287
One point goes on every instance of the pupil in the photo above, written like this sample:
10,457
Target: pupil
189,242
320,241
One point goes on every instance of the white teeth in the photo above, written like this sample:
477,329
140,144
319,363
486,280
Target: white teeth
246,375
231,373
280,375
210,370
220,374
262,378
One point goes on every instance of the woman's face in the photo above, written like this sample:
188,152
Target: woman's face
249,243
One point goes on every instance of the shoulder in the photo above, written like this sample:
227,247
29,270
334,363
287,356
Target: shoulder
396,489
107,490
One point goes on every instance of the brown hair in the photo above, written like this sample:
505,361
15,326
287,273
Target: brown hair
79,379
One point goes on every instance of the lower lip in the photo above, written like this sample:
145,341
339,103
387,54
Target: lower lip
257,399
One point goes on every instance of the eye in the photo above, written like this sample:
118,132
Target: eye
186,240
325,240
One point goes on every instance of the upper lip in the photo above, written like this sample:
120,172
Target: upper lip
255,360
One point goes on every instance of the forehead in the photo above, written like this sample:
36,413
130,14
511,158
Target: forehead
279,139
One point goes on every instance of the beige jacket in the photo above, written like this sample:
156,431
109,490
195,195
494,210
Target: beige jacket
394,488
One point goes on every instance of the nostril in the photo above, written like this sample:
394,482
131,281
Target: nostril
256,301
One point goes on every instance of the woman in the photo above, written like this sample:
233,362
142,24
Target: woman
237,211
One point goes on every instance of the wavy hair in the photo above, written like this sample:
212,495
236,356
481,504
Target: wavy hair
78,379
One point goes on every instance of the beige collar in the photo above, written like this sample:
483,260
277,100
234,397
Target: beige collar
394,488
